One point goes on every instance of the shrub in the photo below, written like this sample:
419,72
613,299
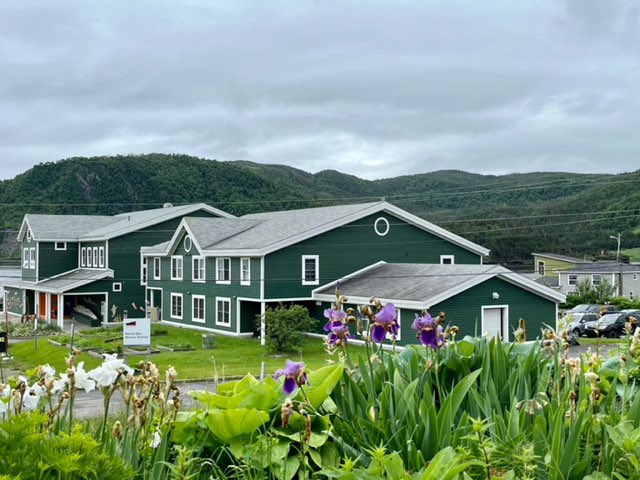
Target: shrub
286,326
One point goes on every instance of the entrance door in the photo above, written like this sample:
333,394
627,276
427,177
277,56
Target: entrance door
43,306
495,321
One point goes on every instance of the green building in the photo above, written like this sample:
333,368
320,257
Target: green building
89,267
219,274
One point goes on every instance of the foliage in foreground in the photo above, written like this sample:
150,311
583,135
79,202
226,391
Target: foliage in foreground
470,409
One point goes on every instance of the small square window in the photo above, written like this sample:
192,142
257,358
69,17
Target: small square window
60,246
117,286
447,259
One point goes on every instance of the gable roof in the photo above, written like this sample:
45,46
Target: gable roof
65,282
562,258
262,233
602,267
420,285
73,228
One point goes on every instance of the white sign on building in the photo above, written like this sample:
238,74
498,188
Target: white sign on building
137,332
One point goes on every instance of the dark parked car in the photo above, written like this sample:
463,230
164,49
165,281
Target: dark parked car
578,322
610,325
593,308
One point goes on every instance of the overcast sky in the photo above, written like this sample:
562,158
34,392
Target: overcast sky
371,88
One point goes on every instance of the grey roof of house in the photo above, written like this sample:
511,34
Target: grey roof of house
66,281
564,258
260,233
603,267
65,227
425,283
551,282
98,227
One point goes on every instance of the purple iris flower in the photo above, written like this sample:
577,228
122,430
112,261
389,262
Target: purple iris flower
294,376
385,321
339,335
429,332
336,318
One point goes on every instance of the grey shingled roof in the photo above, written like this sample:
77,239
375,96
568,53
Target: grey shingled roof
208,232
413,282
603,267
65,282
65,227
563,258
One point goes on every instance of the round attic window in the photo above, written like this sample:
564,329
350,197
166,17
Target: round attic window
187,243
381,226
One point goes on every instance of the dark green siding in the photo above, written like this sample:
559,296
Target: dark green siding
352,247
54,262
210,289
29,273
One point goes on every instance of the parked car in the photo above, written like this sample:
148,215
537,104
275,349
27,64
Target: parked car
593,308
577,322
610,325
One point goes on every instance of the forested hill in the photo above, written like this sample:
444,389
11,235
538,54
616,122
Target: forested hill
513,215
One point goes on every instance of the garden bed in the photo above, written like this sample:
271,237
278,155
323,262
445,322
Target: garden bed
176,348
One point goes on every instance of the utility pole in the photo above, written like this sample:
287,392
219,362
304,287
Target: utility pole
620,275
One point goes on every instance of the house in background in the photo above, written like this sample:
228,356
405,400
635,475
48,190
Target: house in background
624,276
550,264
89,266
477,299
219,274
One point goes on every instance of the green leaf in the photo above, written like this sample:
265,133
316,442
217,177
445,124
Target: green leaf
259,395
287,470
321,383
446,465
230,424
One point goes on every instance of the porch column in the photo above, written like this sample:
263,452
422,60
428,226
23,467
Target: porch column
47,308
60,311
263,329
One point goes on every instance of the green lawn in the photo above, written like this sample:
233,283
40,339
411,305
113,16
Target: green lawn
632,253
231,357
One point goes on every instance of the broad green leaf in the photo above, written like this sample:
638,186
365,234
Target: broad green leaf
259,395
228,425
446,465
321,383
287,469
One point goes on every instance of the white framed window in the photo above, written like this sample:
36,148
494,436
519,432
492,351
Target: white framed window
176,267
156,268
447,259
32,258
245,271
101,258
223,311
631,295
143,270
25,258
95,256
187,244
381,226
198,308
60,246
573,279
176,305
635,276
198,269
596,279
29,237
83,257
223,270
310,270
116,286
540,268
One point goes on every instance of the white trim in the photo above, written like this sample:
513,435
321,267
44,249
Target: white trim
569,284
179,262
37,261
541,263
505,319
25,257
61,248
347,277
228,270
106,254
386,229
95,257
226,300
262,277
32,258
198,259
187,243
237,315
225,333
316,259
204,308
159,276
101,257
248,280
116,287
144,270
176,295
447,257
183,228
83,256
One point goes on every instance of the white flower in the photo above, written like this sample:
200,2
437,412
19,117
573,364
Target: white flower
83,380
107,373
156,439
5,398
46,371
32,396
61,384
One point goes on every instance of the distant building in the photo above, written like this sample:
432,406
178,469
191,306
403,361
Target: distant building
549,264
625,277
